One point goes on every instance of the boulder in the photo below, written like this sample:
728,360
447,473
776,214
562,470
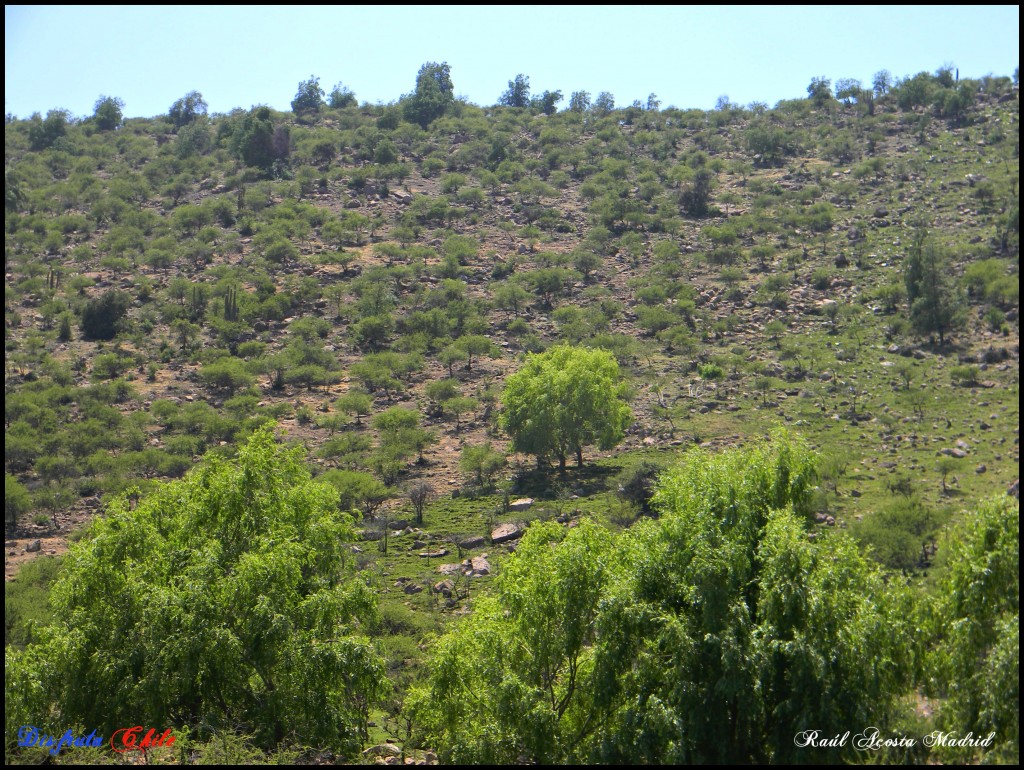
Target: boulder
522,504
472,542
505,532
383,750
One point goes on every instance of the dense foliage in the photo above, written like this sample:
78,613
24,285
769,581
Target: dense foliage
564,399
220,602
715,634
976,665
422,293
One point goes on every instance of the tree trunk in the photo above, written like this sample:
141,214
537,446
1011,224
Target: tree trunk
579,457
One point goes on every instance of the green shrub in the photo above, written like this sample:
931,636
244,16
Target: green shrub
965,375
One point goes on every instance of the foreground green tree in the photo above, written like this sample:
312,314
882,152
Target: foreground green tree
976,665
733,632
563,400
528,651
219,602
718,633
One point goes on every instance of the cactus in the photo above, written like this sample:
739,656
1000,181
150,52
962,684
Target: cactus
231,304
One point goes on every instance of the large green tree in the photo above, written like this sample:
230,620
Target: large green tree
513,683
434,94
975,666
43,133
219,602
563,400
720,633
518,93
108,113
936,306
187,109
309,98
258,141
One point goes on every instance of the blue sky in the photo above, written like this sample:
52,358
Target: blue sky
240,56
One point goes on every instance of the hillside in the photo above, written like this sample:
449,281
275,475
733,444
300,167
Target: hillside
844,267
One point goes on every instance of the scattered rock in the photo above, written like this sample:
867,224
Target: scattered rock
383,750
479,566
35,545
450,569
1014,489
434,554
522,504
981,468
472,542
445,588
959,454
505,532
412,588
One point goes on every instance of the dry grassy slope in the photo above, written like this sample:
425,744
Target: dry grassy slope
920,177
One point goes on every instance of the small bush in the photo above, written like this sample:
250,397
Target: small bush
965,375
101,317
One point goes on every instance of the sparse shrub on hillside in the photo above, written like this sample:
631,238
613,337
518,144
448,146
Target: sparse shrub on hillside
101,317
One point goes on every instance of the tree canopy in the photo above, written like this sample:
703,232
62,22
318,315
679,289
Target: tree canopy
715,634
518,93
309,98
935,304
976,664
108,113
563,400
187,109
220,600
434,94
